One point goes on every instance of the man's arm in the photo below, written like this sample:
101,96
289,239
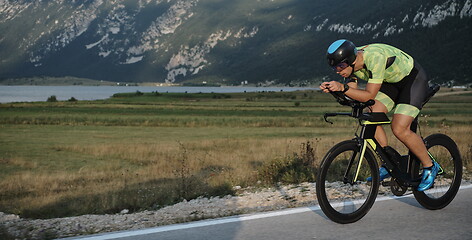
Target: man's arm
353,92
360,95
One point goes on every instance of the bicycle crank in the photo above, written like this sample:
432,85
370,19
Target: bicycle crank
397,189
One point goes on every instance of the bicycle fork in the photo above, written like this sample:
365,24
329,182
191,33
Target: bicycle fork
359,163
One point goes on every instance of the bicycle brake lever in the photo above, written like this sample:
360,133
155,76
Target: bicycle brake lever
326,115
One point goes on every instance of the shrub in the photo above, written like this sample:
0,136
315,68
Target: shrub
297,168
52,98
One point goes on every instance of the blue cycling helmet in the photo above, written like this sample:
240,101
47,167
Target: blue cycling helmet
341,51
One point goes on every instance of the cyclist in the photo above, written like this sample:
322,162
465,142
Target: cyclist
394,80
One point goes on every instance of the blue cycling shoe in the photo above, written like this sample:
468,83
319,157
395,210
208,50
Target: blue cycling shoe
383,174
429,174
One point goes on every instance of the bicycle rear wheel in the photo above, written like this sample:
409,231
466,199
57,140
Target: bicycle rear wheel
444,151
342,198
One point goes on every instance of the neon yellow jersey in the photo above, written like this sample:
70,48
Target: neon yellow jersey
384,63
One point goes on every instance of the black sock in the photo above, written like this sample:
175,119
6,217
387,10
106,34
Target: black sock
428,168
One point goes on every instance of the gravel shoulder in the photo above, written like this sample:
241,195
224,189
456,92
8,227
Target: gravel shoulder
248,200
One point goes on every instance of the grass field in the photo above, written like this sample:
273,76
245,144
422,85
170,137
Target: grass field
143,151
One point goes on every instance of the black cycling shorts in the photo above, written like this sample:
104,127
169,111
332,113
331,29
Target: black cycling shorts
407,95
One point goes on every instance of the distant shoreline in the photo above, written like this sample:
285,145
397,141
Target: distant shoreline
34,93
74,81
54,81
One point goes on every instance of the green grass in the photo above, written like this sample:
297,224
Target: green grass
144,151
176,110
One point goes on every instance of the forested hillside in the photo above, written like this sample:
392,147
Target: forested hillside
224,42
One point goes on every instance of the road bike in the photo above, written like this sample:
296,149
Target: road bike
344,194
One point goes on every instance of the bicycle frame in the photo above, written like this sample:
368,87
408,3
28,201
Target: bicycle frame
366,139
367,136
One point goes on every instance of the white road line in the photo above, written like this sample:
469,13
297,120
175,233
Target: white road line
205,223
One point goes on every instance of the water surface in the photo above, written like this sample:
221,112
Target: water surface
62,93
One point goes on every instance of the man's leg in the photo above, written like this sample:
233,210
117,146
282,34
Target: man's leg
401,129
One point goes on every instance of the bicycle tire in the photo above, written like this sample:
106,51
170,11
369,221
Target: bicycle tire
343,202
446,153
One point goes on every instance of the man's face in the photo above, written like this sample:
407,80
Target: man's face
343,69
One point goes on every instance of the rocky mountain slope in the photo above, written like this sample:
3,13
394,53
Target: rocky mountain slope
222,41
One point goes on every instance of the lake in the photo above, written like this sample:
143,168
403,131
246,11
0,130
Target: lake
62,93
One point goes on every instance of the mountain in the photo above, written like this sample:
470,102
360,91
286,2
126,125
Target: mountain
224,41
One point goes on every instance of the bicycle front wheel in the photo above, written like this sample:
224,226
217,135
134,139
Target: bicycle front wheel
343,193
444,151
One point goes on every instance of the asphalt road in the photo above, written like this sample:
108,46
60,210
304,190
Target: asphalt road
390,218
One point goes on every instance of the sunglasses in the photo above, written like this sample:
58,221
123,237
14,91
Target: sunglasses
340,67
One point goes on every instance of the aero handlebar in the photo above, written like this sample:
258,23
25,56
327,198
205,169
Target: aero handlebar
356,106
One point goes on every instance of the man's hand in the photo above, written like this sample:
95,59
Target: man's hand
332,86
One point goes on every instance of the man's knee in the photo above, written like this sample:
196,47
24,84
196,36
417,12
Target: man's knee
401,131
379,107
401,126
